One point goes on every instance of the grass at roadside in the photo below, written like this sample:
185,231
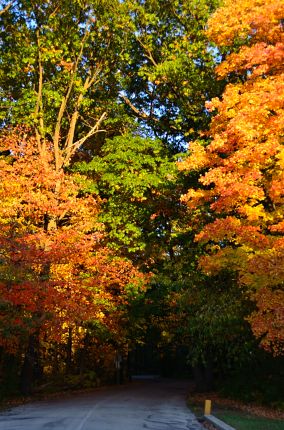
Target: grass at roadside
238,415
245,421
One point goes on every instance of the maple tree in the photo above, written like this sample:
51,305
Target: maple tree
61,276
240,188
55,276
99,82
61,69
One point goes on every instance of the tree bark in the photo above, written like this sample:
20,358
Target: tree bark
31,369
69,351
203,377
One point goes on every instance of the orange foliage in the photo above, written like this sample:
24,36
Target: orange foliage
54,272
244,181
257,19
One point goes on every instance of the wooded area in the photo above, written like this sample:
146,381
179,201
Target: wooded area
142,192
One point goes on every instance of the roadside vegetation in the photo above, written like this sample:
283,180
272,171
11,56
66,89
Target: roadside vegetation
241,416
141,188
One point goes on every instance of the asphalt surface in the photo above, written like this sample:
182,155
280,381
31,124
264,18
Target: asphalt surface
155,404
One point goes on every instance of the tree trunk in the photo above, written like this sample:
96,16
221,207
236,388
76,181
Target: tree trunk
203,377
31,369
9,373
83,356
69,351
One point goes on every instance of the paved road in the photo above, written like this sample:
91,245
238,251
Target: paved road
153,405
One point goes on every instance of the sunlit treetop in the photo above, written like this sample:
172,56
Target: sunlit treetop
241,164
246,20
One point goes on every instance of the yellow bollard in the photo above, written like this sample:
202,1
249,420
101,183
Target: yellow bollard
207,407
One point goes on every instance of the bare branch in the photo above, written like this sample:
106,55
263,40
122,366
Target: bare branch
40,135
143,115
63,106
71,149
148,52
138,112
90,80
6,8
93,130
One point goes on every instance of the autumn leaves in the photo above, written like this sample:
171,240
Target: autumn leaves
243,183
55,273
90,200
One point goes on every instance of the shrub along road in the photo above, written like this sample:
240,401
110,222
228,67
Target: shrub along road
148,404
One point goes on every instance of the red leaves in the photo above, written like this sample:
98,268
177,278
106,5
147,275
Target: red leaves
55,274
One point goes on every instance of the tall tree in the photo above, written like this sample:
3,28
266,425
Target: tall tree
78,63
241,191
55,276
170,72
58,69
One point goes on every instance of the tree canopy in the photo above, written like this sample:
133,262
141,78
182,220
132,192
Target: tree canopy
242,187
141,183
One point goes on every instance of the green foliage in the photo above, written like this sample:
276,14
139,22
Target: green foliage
207,316
86,380
149,67
242,421
133,174
259,379
171,72
54,54
130,59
